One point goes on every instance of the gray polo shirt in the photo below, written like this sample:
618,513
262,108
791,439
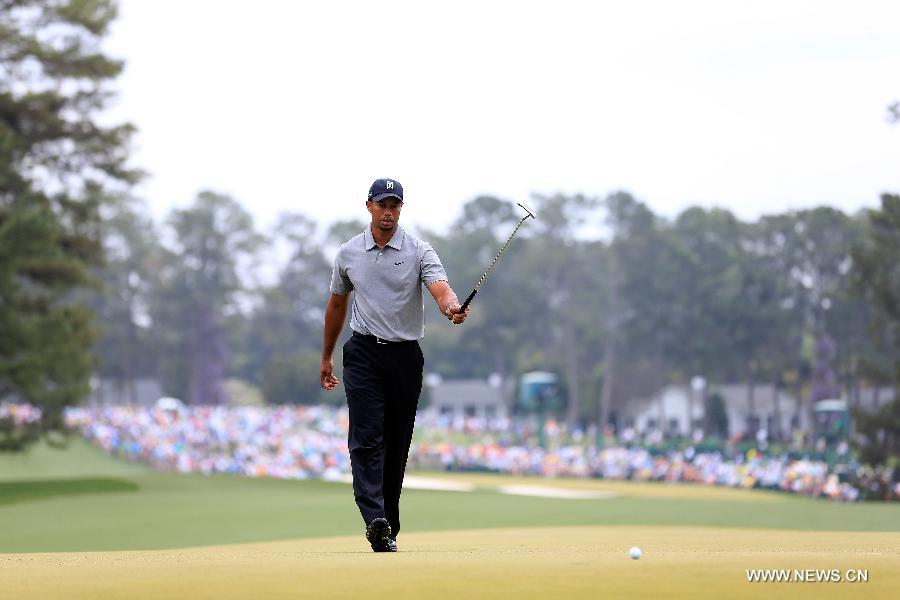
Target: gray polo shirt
387,283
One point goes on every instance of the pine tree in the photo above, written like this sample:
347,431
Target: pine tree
57,164
878,279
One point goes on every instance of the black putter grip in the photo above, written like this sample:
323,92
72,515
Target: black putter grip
465,304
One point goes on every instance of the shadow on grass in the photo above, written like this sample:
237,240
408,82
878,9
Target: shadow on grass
24,491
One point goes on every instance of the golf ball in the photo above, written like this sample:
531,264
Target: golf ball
635,553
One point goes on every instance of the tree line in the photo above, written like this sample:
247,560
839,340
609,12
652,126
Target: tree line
614,298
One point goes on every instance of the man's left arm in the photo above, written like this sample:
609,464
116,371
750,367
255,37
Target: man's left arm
447,301
434,276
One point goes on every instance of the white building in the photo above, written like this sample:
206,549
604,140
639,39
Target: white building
467,398
144,392
766,408
678,410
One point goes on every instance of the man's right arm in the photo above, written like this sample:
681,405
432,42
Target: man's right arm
335,315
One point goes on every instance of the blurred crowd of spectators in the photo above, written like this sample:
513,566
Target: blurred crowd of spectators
288,442
19,414
301,442
755,470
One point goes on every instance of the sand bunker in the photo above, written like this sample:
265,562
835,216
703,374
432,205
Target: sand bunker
554,492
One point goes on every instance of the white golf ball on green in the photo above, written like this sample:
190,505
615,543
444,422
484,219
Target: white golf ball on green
635,552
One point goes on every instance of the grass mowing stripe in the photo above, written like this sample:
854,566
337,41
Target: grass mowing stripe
171,511
23,491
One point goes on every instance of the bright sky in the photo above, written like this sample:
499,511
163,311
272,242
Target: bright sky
758,107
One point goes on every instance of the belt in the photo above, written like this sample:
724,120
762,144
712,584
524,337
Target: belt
377,339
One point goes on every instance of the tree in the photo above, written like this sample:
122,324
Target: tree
651,264
126,349
808,253
288,321
877,262
878,435
295,380
493,331
56,164
712,282
572,286
720,311
200,288
344,230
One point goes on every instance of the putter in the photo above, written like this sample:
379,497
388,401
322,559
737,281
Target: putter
531,214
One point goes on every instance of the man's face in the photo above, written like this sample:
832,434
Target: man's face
385,213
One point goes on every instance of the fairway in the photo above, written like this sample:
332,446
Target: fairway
582,562
80,524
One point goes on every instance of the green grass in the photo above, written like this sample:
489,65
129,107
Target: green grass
22,491
78,459
170,511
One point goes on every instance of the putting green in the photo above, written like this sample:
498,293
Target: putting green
560,562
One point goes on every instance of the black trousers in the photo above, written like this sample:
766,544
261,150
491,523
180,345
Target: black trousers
383,382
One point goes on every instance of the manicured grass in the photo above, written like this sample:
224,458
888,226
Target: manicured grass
171,511
77,459
22,491
551,562
67,536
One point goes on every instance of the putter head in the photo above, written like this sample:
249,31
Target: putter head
528,209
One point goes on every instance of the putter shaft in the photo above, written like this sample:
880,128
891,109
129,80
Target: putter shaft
465,304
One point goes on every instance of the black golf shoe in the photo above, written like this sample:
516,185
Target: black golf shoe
378,532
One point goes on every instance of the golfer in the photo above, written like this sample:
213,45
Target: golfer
384,267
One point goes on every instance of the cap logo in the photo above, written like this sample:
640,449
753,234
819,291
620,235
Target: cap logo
390,185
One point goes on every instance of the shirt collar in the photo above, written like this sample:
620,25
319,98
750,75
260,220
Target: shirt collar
396,241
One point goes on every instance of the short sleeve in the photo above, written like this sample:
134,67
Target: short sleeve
431,268
340,283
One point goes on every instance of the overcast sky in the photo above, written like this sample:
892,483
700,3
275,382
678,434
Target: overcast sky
758,107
